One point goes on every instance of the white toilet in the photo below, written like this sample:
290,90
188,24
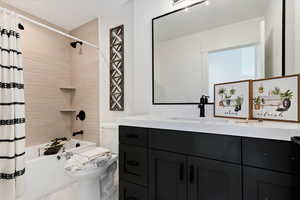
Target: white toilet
96,183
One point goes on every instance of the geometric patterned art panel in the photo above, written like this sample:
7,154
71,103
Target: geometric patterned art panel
117,68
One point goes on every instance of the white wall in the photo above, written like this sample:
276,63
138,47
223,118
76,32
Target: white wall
120,16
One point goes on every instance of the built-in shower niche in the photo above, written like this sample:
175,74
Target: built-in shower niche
71,91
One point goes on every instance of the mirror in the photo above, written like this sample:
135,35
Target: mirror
213,42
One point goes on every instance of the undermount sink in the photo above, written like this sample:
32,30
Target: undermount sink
205,119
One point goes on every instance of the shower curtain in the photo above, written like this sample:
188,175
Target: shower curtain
12,111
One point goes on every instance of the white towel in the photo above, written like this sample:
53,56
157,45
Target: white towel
95,153
91,158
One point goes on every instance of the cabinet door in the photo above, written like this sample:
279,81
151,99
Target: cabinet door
267,185
129,191
214,180
167,177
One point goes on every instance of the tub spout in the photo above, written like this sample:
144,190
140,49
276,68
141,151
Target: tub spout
78,133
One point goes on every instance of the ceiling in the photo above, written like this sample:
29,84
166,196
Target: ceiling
218,13
68,14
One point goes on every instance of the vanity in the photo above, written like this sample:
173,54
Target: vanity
158,162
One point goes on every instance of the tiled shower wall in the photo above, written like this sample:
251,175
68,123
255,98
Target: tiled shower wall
85,77
50,63
46,59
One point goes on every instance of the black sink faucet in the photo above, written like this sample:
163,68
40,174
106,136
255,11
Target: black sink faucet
203,102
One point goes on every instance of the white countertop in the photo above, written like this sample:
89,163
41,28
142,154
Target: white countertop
254,129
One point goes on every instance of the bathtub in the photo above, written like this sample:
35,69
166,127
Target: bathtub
45,175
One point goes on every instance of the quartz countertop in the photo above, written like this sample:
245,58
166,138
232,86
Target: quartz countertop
221,126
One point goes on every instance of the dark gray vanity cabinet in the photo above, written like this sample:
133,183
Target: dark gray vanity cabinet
167,176
176,165
262,184
269,170
133,163
210,179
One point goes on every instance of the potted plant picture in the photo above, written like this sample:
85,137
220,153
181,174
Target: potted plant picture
261,89
276,91
228,100
286,100
238,103
280,100
257,103
232,91
228,97
233,99
221,93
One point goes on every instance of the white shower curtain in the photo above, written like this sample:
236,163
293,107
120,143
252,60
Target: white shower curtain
12,111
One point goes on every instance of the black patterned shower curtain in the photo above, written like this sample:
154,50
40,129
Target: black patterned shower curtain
12,110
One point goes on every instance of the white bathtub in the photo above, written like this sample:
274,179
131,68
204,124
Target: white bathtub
45,175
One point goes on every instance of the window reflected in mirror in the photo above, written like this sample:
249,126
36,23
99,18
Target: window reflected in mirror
233,64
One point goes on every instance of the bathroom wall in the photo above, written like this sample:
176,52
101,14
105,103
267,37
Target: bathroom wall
136,15
144,11
84,73
46,59
119,16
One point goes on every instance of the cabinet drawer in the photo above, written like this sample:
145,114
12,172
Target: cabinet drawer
133,164
219,147
129,191
133,135
268,154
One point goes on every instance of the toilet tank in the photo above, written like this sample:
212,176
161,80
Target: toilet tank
109,137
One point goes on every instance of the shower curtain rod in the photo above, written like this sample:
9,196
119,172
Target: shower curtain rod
51,29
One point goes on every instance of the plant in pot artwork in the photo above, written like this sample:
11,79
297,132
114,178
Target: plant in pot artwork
257,103
238,103
278,100
226,96
232,99
286,100
261,89
276,91
275,98
221,93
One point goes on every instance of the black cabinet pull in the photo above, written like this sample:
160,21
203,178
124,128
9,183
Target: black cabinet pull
132,163
181,172
131,198
133,136
192,175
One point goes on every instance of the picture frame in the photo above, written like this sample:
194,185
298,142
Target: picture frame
276,99
233,99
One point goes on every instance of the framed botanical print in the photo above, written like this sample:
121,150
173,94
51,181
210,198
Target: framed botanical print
276,99
232,100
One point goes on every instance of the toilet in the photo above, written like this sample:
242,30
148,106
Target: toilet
96,183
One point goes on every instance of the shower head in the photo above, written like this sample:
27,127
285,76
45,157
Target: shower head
74,44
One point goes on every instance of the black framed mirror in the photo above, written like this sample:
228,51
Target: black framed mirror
215,41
